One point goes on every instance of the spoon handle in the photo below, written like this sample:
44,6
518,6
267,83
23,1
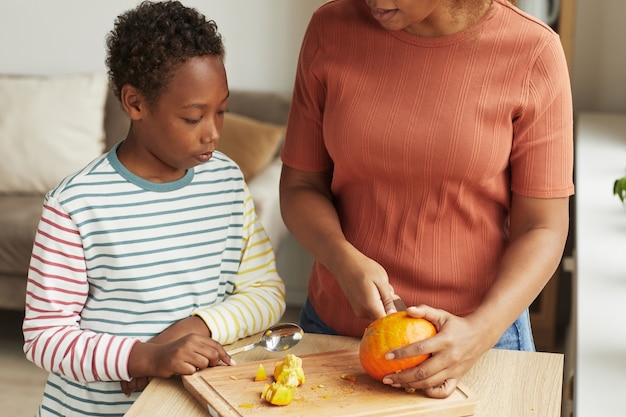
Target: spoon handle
242,349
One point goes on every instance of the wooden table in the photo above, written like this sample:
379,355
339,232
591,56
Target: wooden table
508,383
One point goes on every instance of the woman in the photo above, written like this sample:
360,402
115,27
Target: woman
429,156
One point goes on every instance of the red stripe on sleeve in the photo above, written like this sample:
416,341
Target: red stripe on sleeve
58,265
58,252
55,239
57,212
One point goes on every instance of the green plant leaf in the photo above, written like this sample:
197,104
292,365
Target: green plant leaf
619,188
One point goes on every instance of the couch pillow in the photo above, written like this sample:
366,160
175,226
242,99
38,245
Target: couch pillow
49,127
252,144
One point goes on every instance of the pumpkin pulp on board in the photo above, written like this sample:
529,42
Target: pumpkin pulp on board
288,374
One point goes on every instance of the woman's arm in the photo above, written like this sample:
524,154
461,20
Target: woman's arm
309,213
538,230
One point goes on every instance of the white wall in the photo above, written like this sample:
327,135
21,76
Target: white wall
60,36
262,37
599,71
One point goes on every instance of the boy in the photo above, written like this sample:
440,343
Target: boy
150,258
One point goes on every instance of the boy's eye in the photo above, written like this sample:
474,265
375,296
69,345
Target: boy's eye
192,121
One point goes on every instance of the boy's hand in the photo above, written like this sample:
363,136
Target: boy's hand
182,345
135,384
192,324
180,357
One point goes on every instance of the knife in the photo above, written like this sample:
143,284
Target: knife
399,304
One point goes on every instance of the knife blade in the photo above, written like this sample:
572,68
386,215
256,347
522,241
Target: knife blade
399,304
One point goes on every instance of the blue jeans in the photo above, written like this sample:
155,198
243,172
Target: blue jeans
517,337
312,323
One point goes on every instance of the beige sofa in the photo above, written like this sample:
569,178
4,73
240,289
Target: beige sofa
261,112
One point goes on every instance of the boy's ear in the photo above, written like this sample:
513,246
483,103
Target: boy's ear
133,102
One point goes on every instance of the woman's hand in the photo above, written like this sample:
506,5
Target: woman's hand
307,207
365,284
456,347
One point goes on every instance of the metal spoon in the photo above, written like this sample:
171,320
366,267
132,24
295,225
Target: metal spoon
277,338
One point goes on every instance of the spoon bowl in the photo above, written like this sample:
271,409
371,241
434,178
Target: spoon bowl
277,338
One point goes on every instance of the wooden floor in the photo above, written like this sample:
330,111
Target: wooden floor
21,382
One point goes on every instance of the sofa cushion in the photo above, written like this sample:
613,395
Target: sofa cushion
18,223
270,107
49,127
250,143
264,191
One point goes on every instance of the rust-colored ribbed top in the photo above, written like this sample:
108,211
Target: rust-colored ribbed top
427,137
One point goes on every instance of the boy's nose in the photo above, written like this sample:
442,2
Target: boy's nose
211,133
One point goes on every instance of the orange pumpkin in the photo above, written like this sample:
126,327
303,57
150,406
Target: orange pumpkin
390,332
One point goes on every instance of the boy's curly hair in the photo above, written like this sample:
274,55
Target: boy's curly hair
148,43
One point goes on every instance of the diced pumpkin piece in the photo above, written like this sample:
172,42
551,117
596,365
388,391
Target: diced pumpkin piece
289,372
277,394
261,375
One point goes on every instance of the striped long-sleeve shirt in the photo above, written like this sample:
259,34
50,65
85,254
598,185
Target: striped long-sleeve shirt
118,259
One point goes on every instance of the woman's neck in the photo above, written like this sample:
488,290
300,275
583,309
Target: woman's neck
450,17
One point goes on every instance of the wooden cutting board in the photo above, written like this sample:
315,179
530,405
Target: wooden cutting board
229,391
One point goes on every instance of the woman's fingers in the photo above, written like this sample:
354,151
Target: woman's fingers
438,385
443,390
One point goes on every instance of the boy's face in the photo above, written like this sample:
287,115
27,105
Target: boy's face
182,128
